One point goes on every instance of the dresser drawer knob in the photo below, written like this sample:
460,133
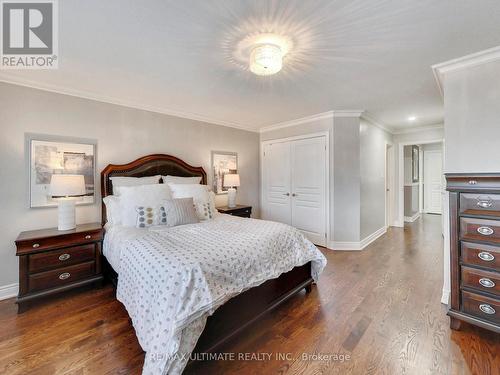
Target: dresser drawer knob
36,245
485,231
484,202
64,276
64,257
487,309
88,237
472,182
487,283
487,257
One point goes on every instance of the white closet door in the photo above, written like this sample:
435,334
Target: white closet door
308,175
433,177
277,182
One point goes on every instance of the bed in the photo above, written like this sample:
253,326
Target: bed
209,328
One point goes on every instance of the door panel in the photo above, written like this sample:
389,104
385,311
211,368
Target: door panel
277,182
433,188
308,182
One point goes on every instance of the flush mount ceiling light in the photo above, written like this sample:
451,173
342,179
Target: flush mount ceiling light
266,59
412,118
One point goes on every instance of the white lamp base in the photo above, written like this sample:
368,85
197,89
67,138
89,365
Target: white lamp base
231,197
66,214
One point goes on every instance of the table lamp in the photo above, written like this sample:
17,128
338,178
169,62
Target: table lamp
231,181
65,189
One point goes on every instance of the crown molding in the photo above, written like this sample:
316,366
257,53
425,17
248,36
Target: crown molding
418,129
468,61
307,119
123,103
368,117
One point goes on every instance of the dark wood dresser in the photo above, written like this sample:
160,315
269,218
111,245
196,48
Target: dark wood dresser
239,210
475,250
52,261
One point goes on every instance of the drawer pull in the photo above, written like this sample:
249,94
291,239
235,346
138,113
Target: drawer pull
487,283
64,276
88,237
485,231
64,257
484,203
35,245
487,309
487,257
472,182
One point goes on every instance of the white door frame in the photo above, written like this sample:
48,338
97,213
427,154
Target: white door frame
425,208
328,192
401,170
389,183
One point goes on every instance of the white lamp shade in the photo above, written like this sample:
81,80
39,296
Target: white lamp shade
67,185
231,180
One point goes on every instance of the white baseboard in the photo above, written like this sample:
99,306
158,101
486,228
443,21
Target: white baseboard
445,297
344,245
8,291
411,219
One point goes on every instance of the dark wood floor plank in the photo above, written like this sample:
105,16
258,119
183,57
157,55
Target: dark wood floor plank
381,306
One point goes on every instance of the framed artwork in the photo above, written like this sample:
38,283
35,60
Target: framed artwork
414,163
48,155
222,163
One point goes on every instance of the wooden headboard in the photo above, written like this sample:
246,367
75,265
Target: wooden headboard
150,165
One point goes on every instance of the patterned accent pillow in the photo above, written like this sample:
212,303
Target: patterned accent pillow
179,212
203,200
149,216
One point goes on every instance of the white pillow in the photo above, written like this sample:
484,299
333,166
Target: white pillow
203,201
119,182
113,215
136,196
180,180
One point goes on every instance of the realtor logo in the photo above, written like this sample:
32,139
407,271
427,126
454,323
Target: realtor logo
29,34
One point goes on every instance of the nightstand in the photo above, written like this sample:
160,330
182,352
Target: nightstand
53,261
239,210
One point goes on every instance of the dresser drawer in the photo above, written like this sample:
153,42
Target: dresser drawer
28,246
61,257
480,230
60,276
480,204
480,255
482,307
481,280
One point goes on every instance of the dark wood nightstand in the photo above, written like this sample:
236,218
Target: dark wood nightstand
52,261
239,210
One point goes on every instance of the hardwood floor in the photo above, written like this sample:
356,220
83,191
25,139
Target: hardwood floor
380,306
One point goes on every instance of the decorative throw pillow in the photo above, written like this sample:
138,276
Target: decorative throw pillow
179,212
203,202
140,196
113,215
149,216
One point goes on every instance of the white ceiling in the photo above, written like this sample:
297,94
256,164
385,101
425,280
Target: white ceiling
180,57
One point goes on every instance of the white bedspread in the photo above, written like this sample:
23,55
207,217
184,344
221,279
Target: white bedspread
171,279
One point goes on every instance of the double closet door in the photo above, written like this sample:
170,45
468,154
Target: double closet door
294,185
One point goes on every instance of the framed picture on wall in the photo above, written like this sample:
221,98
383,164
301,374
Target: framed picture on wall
48,155
414,163
222,163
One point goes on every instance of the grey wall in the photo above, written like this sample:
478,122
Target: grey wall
123,134
373,142
472,119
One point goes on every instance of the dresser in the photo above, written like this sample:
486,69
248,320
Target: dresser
53,261
475,250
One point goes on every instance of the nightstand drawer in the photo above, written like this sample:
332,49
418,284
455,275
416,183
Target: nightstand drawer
59,241
60,276
61,257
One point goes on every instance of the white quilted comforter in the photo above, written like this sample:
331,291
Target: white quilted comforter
171,279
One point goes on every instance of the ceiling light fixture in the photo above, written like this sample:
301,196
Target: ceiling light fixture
266,59
412,118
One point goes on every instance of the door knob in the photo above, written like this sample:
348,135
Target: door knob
294,195
287,194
